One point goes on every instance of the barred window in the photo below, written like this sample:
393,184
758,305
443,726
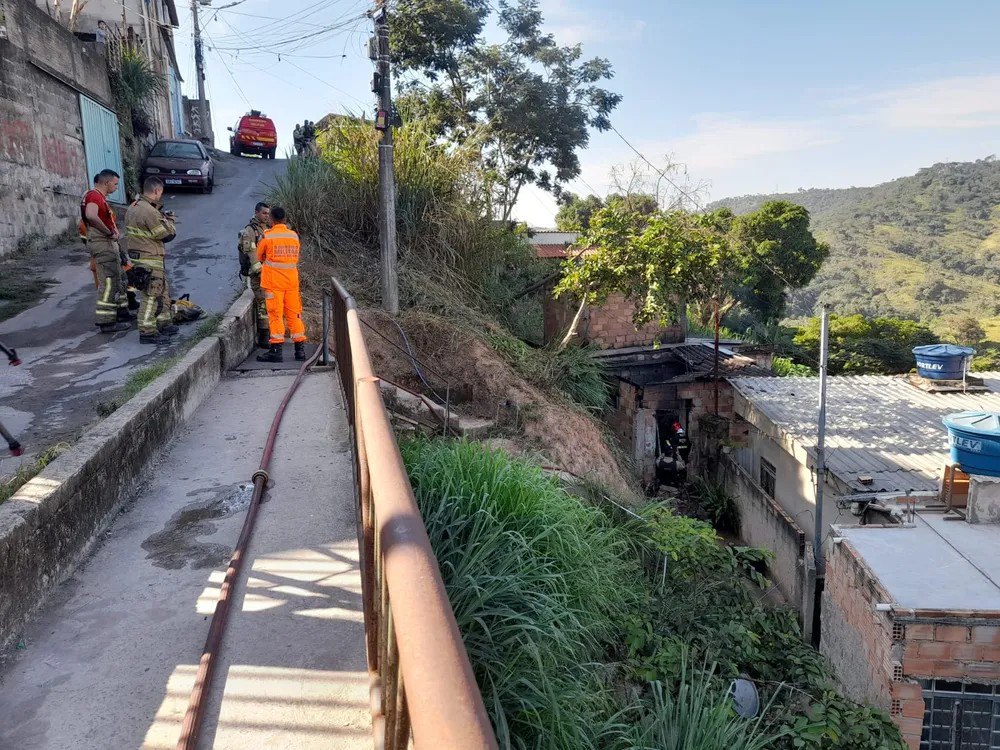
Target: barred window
768,476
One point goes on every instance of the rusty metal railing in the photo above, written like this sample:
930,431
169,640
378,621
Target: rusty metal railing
422,685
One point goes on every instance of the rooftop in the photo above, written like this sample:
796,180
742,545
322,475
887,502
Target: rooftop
934,564
880,426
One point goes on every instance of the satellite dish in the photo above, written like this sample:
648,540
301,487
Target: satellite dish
746,699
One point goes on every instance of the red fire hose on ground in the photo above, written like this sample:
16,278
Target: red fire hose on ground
191,727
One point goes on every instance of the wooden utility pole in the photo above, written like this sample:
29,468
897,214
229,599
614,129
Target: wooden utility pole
199,64
386,169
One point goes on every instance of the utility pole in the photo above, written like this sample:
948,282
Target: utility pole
199,64
386,170
824,358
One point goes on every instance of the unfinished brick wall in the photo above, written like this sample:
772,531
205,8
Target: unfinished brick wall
881,657
607,327
701,394
856,637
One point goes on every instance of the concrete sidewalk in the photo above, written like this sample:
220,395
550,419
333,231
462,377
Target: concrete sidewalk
110,660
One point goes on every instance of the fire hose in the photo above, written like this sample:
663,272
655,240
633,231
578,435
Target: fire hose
191,727
15,448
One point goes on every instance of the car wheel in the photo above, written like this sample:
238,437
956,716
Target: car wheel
210,186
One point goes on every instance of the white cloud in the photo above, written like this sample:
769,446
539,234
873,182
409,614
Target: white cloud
949,103
721,142
574,26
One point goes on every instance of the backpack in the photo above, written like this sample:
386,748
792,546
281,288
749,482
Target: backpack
186,311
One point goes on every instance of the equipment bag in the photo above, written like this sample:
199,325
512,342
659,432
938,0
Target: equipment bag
186,311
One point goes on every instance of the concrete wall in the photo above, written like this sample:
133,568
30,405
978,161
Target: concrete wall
52,521
607,327
43,70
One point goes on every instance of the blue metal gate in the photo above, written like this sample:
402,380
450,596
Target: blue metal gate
100,142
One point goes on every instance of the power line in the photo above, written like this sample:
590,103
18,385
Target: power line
226,66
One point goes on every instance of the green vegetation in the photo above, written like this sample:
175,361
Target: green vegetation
714,260
863,346
924,247
27,471
588,628
784,367
538,583
572,370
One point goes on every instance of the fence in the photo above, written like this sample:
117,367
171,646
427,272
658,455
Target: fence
421,680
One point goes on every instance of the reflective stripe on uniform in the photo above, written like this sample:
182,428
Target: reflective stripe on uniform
149,262
287,266
137,232
286,235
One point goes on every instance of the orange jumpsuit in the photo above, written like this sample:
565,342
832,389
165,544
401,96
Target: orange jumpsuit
278,253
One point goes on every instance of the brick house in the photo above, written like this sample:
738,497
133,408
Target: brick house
609,326
909,614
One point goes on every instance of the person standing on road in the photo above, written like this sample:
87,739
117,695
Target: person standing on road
278,254
106,256
148,228
250,267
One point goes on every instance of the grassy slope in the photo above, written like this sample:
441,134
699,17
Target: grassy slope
923,247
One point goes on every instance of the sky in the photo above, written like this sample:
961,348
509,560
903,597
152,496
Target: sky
744,97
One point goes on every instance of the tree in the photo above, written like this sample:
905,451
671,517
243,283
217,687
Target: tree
781,254
527,102
575,212
713,260
866,346
968,331
655,260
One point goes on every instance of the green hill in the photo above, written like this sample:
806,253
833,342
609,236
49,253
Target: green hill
925,247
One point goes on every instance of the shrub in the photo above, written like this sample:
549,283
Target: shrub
784,367
718,505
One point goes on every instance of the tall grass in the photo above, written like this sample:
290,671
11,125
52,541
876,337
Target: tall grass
698,715
538,583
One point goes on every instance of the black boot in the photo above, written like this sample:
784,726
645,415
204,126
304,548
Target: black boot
263,339
273,354
155,339
113,327
125,314
300,351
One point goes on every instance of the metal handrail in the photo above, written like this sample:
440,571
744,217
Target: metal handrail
422,683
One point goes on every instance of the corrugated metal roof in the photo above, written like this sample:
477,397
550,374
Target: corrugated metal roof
881,426
700,359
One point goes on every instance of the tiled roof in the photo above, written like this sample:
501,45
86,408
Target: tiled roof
881,426
550,251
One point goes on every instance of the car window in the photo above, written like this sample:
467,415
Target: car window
174,150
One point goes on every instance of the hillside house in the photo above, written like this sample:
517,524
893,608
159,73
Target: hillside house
659,376
910,611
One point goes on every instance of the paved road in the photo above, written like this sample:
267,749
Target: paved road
68,365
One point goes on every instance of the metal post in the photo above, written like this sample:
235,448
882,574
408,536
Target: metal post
386,169
715,366
326,327
824,356
199,64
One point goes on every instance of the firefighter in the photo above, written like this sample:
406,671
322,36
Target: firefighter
107,259
278,254
250,237
148,228
297,139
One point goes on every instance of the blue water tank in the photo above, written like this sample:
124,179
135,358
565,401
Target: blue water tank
942,361
975,441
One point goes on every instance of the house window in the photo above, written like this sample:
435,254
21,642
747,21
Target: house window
768,475
960,716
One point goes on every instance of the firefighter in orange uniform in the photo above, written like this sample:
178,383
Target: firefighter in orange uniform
278,254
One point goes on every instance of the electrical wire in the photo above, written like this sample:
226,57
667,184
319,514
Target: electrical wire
231,76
